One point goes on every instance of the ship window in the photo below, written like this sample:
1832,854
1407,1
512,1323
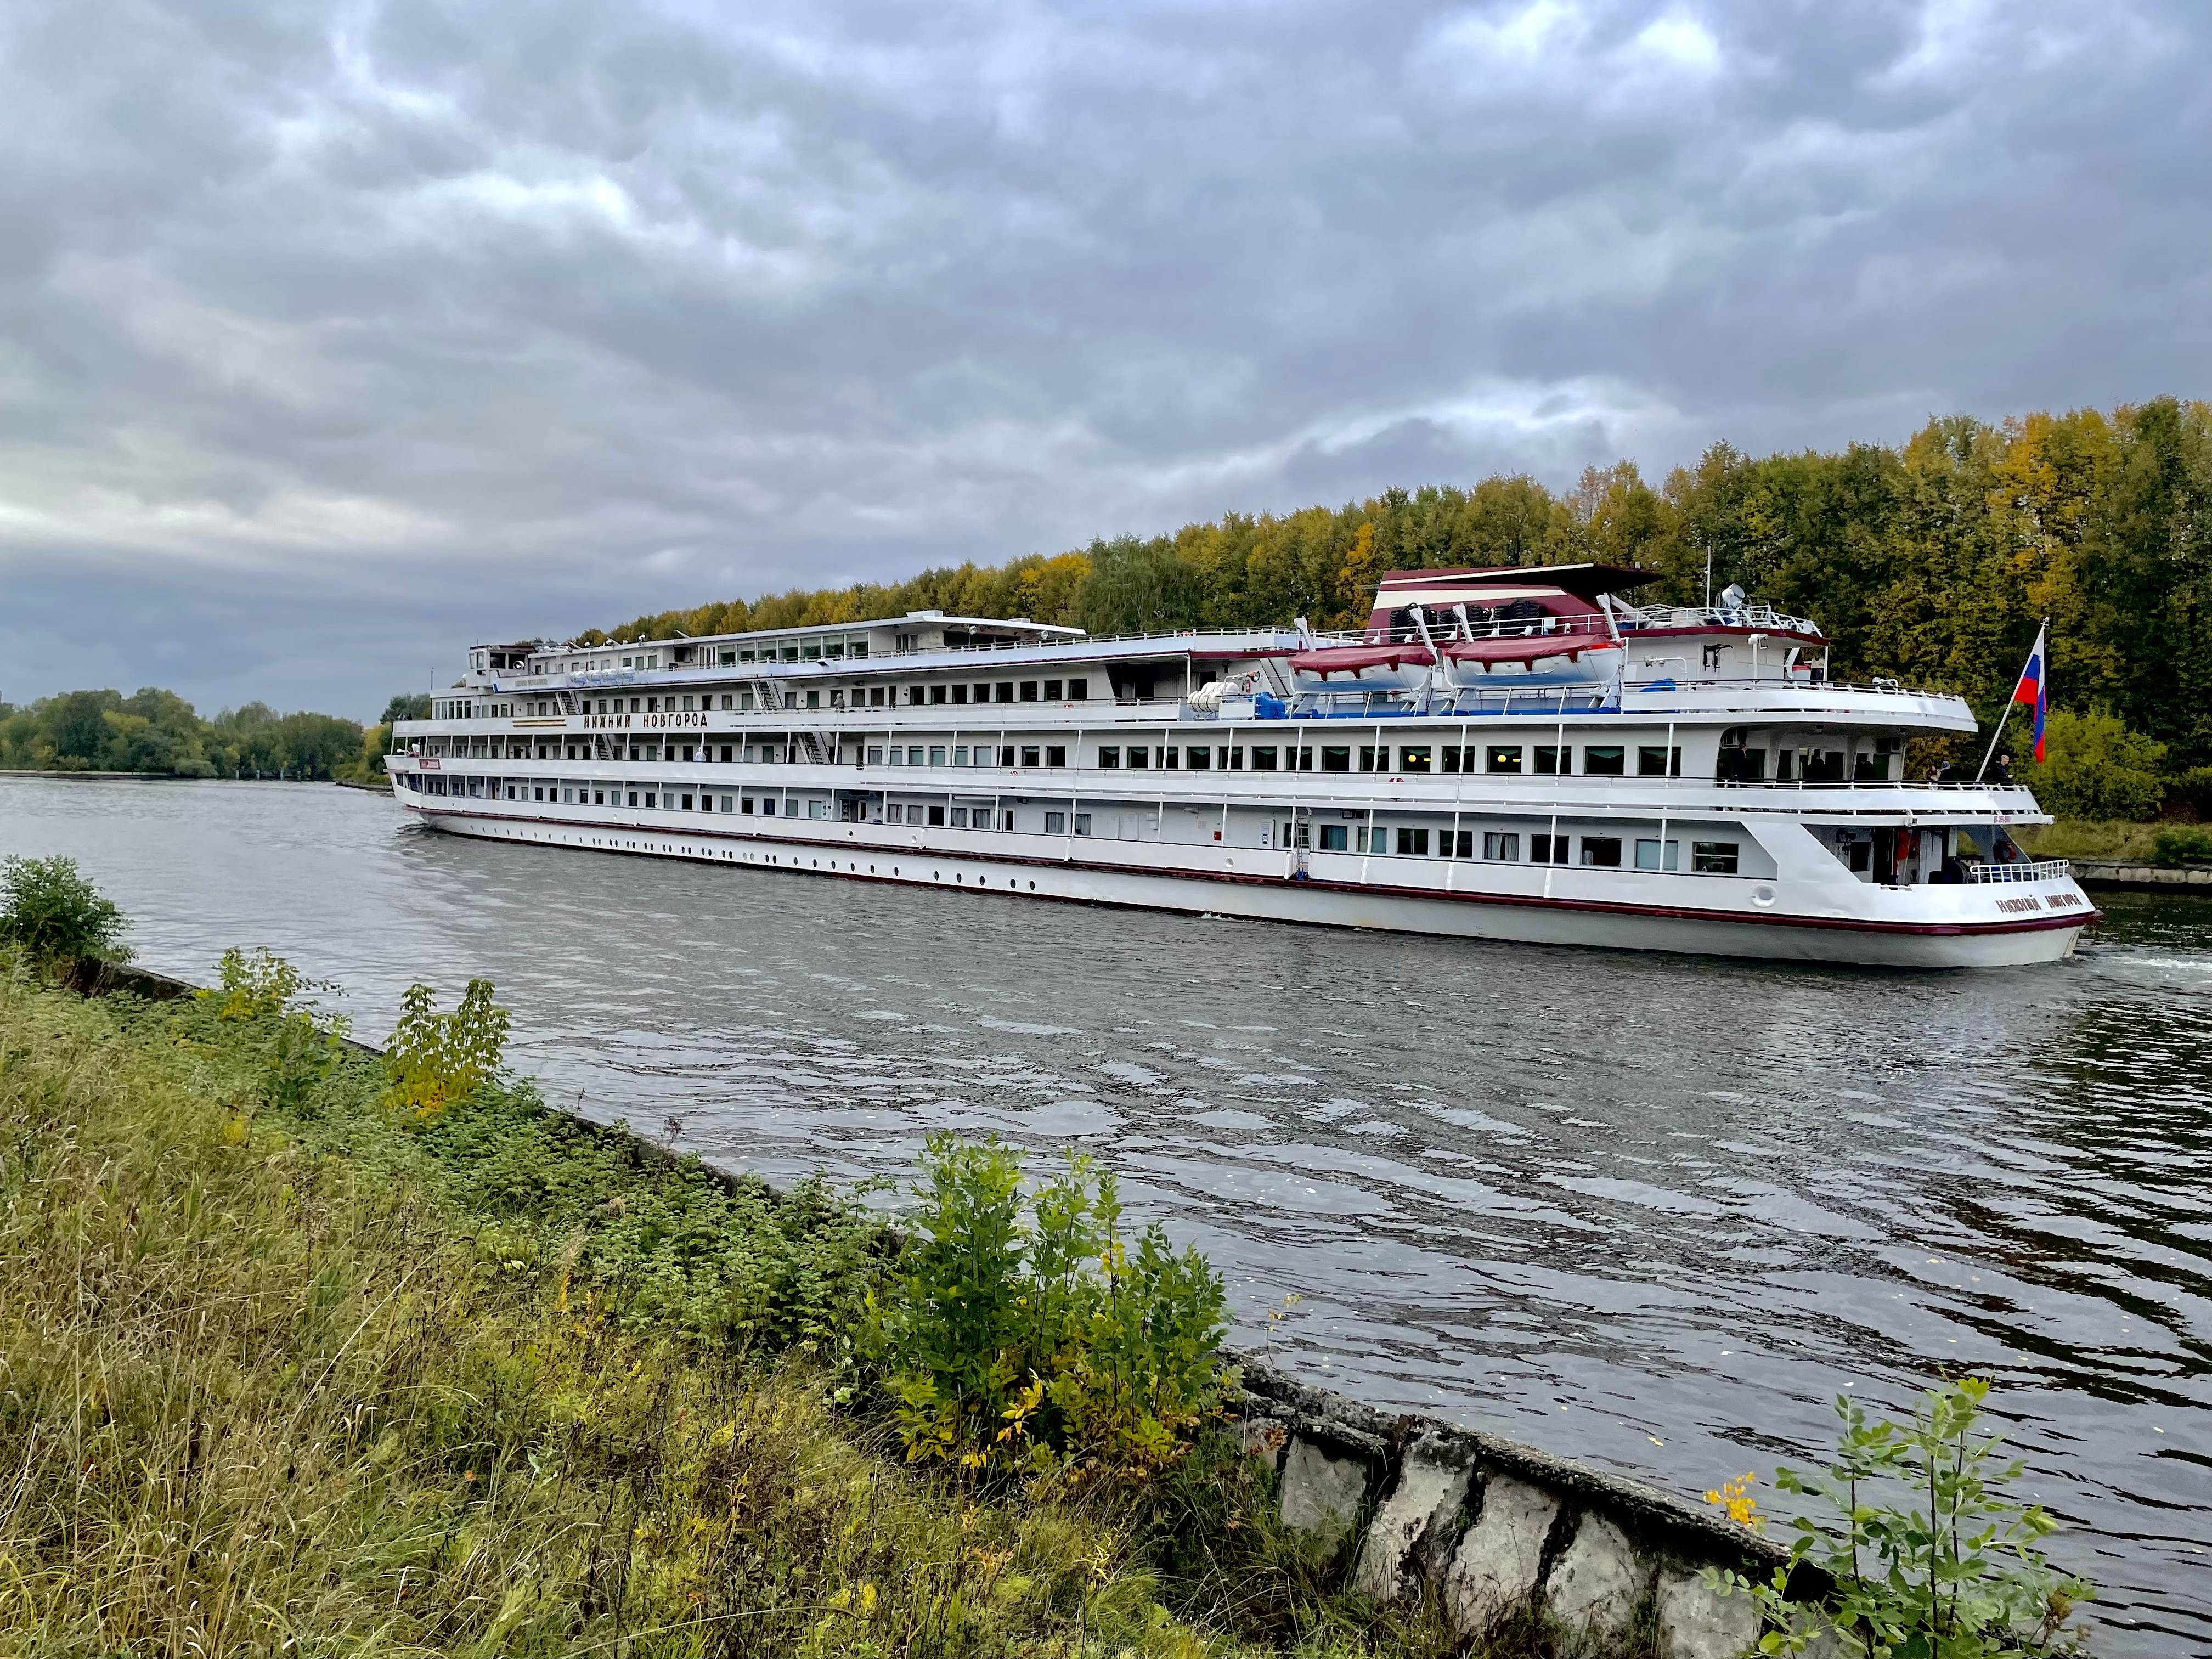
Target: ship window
791,654
1548,849
937,816
1824,766
1078,691
981,693
1170,757
1414,760
875,696
959,817
984,755
791,809
1336,757
1006,695
1553,759
1504,759
727,802
916,754
1055,755
959,693
1109,758
1602,851
1374,757
1870,768
537,794
744,656
1648,855
1055,823
1714,858
1334,837
744,804
1371,841
687,705
937,693
1028,690
1005,754
1201,758
1052,690
815,809
915,694
1233,759
960,754
1140,757
1782,758
1608,760
894,813
652,705
1506,849
835,648
729,702
1263,759
1029,754
1412,843
633,797
726,754
1656,760
686,803
1297,834
1083,823
937,754
1455,843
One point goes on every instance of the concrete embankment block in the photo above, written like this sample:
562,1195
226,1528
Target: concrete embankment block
1588,1549
1497,1565
1598,1581
1322,1495
1697,1623
1420,1514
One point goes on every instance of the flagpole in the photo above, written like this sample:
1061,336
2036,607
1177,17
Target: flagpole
1997,736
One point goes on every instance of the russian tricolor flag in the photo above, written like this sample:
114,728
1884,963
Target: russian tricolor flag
2033,688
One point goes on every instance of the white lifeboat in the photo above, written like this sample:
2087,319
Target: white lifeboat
1553,656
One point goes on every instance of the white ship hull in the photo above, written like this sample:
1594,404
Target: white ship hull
1962,927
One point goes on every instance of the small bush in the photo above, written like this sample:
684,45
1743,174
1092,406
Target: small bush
51,914
2185,844
435,1059
1046,1341
2097,768
1961,1579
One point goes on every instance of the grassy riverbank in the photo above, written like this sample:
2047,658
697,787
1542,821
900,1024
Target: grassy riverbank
286,1371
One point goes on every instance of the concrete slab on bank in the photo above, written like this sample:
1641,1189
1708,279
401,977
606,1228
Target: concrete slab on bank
2127,877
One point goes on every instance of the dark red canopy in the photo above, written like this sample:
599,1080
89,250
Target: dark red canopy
1351,658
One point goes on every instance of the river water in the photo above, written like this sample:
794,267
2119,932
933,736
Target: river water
1652,1213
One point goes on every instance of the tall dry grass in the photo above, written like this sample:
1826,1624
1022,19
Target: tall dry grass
255,1397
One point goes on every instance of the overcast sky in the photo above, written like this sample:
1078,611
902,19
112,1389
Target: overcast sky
335,335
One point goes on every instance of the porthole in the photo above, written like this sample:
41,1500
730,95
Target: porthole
1762,897
1033,887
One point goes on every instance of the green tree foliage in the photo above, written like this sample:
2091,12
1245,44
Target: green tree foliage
1931,1559
157,733
2095,768
1028,1332
1932,562
51,914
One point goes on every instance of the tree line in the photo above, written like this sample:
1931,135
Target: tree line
158,733
1932,561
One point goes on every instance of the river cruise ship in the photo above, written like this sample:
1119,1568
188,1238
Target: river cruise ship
1523,754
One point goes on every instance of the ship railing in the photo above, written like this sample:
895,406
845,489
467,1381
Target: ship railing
2032,870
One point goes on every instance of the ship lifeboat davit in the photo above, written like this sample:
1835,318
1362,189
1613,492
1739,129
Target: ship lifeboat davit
1552,656
1363,668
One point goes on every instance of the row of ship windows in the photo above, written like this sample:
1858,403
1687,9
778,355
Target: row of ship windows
873,697
1603,852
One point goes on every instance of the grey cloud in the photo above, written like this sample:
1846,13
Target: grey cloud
331,334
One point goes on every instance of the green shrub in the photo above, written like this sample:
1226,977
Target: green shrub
2189,843
434,1059
1961,1579
2095,768
51,914
262,992
1043,1338
2192,790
